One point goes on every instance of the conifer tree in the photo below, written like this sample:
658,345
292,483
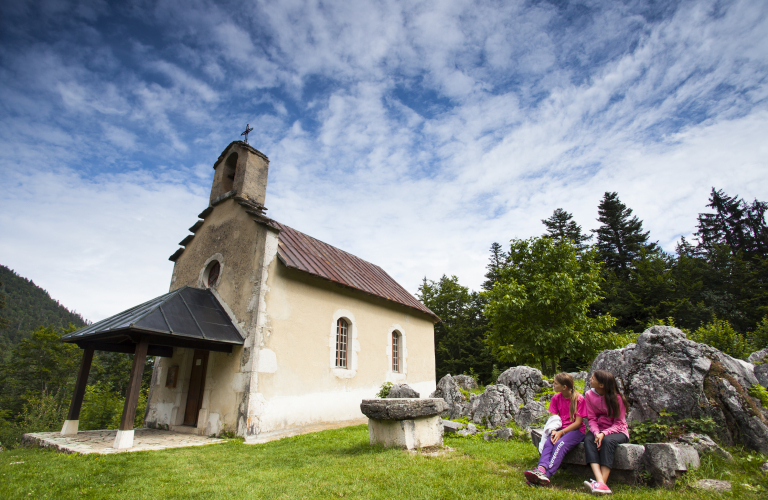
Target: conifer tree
497,261
736,224
620,237
561,226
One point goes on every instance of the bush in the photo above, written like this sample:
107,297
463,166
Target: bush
384,390
761,393
103,408
667,428
720,335
758,338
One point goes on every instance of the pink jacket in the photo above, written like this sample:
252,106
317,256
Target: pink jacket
597,413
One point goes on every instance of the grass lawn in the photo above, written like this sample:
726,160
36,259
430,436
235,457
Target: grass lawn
330,464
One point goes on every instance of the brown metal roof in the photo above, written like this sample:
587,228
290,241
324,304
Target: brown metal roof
299,251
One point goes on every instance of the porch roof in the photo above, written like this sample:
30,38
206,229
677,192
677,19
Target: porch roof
187,317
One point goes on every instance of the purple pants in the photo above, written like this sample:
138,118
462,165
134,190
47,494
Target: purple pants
553,454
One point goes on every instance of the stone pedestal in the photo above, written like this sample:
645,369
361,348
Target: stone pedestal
404,423
123,439
69,428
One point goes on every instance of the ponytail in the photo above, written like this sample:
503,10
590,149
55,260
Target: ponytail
566,380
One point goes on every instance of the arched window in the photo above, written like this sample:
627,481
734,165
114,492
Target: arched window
396,351
342,329
214,269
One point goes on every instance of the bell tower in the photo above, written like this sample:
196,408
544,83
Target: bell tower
243,170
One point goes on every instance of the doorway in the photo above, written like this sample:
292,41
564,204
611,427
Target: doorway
196,387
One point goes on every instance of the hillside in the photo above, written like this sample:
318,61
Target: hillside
27,307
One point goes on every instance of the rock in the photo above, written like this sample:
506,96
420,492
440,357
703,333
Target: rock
465,382
471,430
711,485
448,390
497,406
666,461
503,434
704,444
579,375
401,409
524,381
546,398
529,414
449,426
666,371
761,374
758,357
399,391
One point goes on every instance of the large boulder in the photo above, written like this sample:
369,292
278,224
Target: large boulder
524,381
398,391
666,461
530,414
704,444
666,371
760,356
465,382
448,390
497,406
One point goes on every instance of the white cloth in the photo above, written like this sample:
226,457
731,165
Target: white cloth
553,423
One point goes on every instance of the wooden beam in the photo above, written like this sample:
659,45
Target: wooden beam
134,385
82,381
129,348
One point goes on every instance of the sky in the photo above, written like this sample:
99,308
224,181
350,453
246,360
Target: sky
412,134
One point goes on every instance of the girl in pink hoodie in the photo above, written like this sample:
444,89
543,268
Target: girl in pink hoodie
607,414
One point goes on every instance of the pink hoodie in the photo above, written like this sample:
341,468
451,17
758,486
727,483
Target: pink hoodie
597,413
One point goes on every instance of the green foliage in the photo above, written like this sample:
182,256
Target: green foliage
102,408
667,428
538,312
384,390
758,338
720,335
761,393
620,238
459,337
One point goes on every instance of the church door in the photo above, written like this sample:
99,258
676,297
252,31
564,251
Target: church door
196,387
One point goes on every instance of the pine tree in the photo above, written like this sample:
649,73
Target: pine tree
561,226
497,262
621,236
740,226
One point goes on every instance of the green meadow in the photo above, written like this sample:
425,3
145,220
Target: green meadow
330,464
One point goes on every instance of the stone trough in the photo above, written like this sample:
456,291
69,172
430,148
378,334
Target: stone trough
404,422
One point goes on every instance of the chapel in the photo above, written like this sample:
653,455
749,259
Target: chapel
266,332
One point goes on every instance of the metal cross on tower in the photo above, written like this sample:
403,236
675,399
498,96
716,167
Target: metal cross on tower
248,130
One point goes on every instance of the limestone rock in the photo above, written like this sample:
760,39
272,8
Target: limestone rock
449,426
666,461
465,382
579,375
761,374
503,434
704,444
760,356
530,413
524,381
402,391
401,409
497,406
457,404
546,398
471,430
666,371
711,485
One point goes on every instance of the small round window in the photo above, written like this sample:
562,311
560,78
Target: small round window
213,273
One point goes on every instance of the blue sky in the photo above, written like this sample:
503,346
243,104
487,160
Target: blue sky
413,134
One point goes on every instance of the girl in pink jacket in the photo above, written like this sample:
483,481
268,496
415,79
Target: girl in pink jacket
607,414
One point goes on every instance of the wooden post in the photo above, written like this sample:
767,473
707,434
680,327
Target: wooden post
73,417
124,438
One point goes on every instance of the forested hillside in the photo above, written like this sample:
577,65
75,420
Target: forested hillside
27,307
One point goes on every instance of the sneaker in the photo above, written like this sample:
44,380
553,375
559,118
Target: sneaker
589,484
535,476
601,489
533,485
